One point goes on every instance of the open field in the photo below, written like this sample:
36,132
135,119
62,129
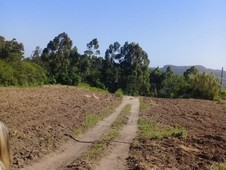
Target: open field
202,146
39,118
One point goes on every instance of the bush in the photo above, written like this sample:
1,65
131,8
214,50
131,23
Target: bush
7,74
21,73
205,86
119,93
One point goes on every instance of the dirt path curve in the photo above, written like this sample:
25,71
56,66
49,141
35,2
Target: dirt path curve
117,156
72,149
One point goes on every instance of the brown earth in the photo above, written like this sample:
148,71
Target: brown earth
38,118
205,145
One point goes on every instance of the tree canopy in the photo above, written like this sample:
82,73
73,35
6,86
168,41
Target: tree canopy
123,67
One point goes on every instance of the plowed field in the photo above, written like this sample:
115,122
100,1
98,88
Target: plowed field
38,118
204,146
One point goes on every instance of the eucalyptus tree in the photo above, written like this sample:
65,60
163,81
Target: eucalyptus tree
56,58
134,64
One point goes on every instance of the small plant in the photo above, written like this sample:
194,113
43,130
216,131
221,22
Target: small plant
150,130
91,120
219,167
143,105
119,93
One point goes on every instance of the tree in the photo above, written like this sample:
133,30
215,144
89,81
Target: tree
156,78
173,86
191,71
56,58
134,64
11,51
111,70
93,48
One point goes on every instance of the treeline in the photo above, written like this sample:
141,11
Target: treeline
14,70
124,67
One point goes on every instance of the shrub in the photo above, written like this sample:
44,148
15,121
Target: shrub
119,93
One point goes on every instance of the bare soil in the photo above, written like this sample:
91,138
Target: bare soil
39,118
205,145
72,149
116,158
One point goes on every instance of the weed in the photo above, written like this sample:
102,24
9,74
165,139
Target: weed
119,93
219,167
151,130
143,105
122,118
91,120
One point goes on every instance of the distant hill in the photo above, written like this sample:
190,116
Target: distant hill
179,70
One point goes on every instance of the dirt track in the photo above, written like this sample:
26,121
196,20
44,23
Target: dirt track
116,158
38,118
72,149
204,146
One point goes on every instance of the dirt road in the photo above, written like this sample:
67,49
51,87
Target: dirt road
116,159
73,149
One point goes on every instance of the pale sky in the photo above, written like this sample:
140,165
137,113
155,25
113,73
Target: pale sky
178,32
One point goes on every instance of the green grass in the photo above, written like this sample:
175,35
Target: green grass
97,149
94,89
219,167
143,105
150,130
92,119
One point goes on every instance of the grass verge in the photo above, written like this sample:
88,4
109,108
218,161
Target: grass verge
150,130
143,105
98,148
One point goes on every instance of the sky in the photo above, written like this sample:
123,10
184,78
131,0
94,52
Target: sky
177,32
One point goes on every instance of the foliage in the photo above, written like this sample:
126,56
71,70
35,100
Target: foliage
191,84
56,58
7,77
21,74
119,93
173,87
123,67
11,51
205,86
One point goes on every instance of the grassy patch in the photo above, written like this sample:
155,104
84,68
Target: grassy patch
97,149
150,130
143,105
94,89
219,167
92,119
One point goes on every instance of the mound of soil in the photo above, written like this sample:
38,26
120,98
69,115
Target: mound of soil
38,118
205,145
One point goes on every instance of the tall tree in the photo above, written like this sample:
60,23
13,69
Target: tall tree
56,58
111,69
191,71
11,51
134,64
